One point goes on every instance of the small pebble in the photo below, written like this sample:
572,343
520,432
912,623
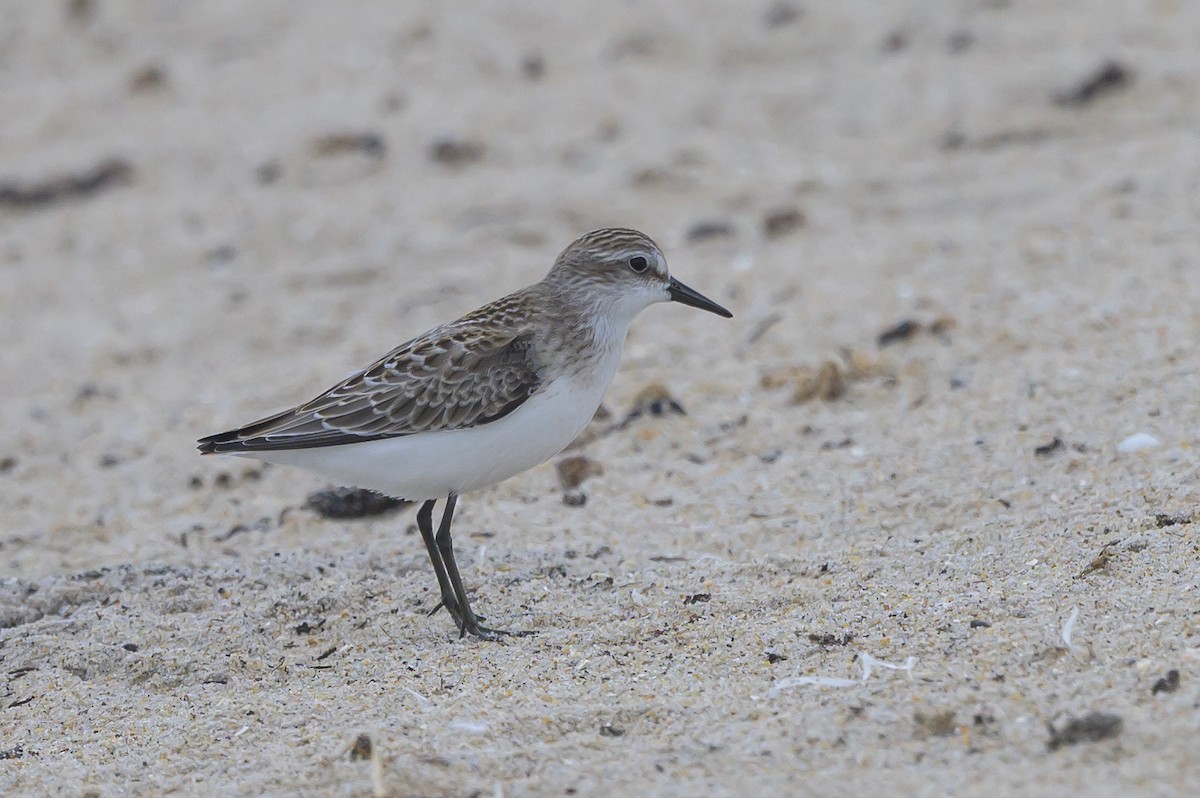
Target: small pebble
533,66
456,152
1137,442
1107,77
268,172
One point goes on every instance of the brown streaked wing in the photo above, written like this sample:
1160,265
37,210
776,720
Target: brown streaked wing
457,376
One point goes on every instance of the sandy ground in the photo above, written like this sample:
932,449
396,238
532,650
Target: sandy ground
299,187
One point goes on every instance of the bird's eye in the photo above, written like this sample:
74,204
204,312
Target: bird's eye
638,263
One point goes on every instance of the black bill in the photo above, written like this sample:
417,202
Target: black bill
686,296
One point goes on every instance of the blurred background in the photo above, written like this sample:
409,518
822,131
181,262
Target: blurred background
957,400
210,211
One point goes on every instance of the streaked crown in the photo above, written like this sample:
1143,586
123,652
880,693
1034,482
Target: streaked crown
613,254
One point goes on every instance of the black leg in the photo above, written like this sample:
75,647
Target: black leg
425,524
468,621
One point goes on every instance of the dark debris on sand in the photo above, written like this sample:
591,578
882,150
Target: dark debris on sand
346,503
1091,728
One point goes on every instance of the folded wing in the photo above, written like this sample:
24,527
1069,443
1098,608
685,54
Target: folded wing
454,377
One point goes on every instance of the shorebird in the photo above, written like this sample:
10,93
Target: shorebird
478,400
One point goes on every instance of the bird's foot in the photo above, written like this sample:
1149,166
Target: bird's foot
468,623
481,632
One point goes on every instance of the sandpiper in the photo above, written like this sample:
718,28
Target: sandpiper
476,401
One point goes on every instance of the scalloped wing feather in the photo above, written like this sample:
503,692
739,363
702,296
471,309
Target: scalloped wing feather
460,375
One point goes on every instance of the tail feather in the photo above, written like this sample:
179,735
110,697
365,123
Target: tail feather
238,440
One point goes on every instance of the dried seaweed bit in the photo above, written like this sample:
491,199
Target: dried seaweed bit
894,42
828,382
261,525
81,10
361,749
1091,728
661,177
305,627
936,724
1107,553
1047,449
952,140
1108,77
151,77
782,221
573,471
370,144
268,172
638,44
220,255
781,13
774,657
942,325
653,400
960,41
108,174
707,230
345,503
864,366
697,598
1161,520
777,378
829,640
453,151
1166,684
1005,138
901,331
761,327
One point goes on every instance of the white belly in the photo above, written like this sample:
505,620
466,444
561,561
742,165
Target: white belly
431,465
